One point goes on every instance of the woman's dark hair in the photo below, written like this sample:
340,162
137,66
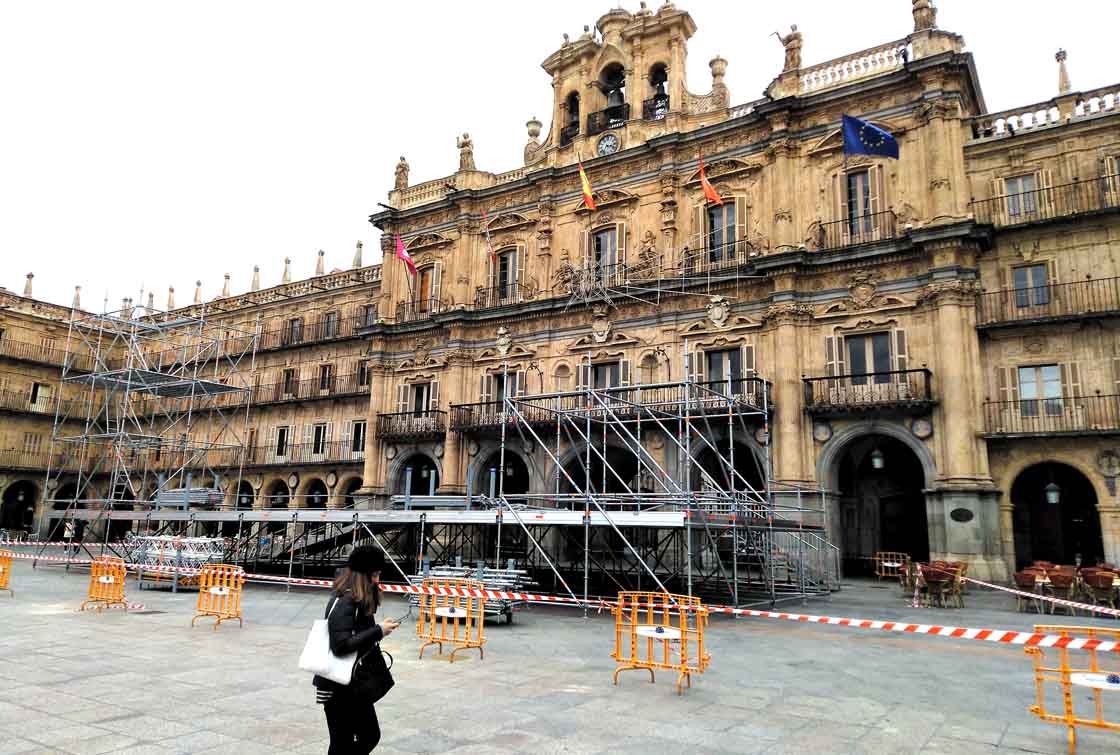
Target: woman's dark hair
363,591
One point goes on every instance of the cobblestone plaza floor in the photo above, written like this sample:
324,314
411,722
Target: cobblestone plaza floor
146,682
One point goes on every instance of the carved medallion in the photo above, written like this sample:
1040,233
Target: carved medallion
718,311
1108,462
601,325
922,428
504,341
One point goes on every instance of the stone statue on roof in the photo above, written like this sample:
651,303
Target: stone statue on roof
792,43
466,151
925,15
401,179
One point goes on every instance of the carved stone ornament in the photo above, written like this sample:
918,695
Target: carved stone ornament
439,450
822,431
601,325
718,311
423,349
862,288
332,479
955,291
472,448
1108,462
504,341
787,312
390,452
922,427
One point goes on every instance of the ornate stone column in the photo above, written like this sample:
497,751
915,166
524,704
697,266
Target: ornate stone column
453,451
785,318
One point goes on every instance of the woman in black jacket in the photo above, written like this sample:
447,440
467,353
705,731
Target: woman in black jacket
351,718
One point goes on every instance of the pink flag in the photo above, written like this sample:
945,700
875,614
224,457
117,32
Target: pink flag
486,232
404,256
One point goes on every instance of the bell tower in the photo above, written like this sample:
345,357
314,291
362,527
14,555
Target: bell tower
614,87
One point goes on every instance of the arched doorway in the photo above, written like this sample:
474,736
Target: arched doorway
1059,531
882,506
63,499
748,468
18,510
620,472
277,496
349,488
245,496
516,479
424,476
315,496
122,498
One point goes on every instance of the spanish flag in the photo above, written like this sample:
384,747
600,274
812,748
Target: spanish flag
588,200
709,193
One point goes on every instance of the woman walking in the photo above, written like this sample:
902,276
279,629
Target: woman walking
351,718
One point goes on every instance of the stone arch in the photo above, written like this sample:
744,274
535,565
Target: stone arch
568,460
828,471
246,497
477,467
17,505
312,493
1023,463
701,452
396,472
345,489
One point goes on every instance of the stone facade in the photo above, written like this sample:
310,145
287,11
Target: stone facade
897,308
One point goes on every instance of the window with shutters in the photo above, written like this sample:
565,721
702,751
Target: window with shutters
725,365
505,275
369,314
420,394
282,440
358,437
319,438
859,202
1031,285
288,383
604,246
869,357
425,290
363,373
326,377
605,375
721,232
40,397
32,443
293,331
1021,196
1040,390
330,325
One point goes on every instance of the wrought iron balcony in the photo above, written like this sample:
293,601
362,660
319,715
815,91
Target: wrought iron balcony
430,424
489,415
1050,203
15,459
715,257
902,391
1085,415
855,230
1060,301
656,108
501,296
612,117
569,133
421,309
40,354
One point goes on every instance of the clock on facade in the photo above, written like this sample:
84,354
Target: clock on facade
608,145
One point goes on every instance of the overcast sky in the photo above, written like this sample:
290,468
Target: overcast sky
155,143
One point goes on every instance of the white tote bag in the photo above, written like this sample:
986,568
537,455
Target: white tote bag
318,658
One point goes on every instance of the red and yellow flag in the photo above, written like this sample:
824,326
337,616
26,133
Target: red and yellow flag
710,194
588,200
486,233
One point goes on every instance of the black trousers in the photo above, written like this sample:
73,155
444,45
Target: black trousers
352,724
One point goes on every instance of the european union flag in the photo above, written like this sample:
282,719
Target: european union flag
861,138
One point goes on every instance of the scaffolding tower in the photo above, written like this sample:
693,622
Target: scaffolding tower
151,413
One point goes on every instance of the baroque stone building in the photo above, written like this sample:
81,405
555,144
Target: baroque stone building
938,332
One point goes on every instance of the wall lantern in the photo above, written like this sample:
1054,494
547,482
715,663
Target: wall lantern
1053,494
877,459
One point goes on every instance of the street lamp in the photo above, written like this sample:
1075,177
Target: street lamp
1053,494
877,460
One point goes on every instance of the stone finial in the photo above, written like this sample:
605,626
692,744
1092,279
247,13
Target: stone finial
321,263
27,286
170,298
357,256
256,278
534,127
718,67
151,302
198,292
287,277
1064,87
77,303
925,15
126,310
225,288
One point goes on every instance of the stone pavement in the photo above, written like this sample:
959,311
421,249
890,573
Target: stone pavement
149,683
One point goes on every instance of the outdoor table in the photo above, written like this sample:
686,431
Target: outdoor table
1096,681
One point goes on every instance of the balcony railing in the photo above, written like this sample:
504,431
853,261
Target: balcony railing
500,296
851,231
569,133
656,108
332,386
1049,203
715,257
1058,301
1086,415
421,309
427,424
612,117
21,402
332,452
33,352
15,459
896,390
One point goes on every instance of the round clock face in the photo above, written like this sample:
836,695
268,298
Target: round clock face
608,145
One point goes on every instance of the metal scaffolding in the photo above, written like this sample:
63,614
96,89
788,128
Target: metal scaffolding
144,418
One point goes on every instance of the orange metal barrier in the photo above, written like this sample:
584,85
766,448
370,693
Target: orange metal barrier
219,593
891,564
452,619
1089,675
6,572
106,583
656,630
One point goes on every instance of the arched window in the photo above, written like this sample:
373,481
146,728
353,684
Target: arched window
563,378
612,83
570,129
657,106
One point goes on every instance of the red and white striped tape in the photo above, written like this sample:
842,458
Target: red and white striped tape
999,636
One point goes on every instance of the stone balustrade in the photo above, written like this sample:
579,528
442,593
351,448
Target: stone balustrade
739,111
1063,109
854,67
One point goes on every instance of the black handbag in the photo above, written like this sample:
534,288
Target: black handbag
372,679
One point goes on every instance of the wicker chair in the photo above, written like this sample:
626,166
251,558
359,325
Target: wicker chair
1025,581
1043,564
1099,584
1063,584
939,581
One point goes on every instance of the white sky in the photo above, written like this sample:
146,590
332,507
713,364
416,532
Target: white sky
156,143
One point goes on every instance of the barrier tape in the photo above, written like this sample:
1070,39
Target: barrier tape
999,636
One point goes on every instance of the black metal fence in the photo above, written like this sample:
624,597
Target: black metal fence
857,229
612,117
1049,202
1084,414
856,392
429,423
1058,300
